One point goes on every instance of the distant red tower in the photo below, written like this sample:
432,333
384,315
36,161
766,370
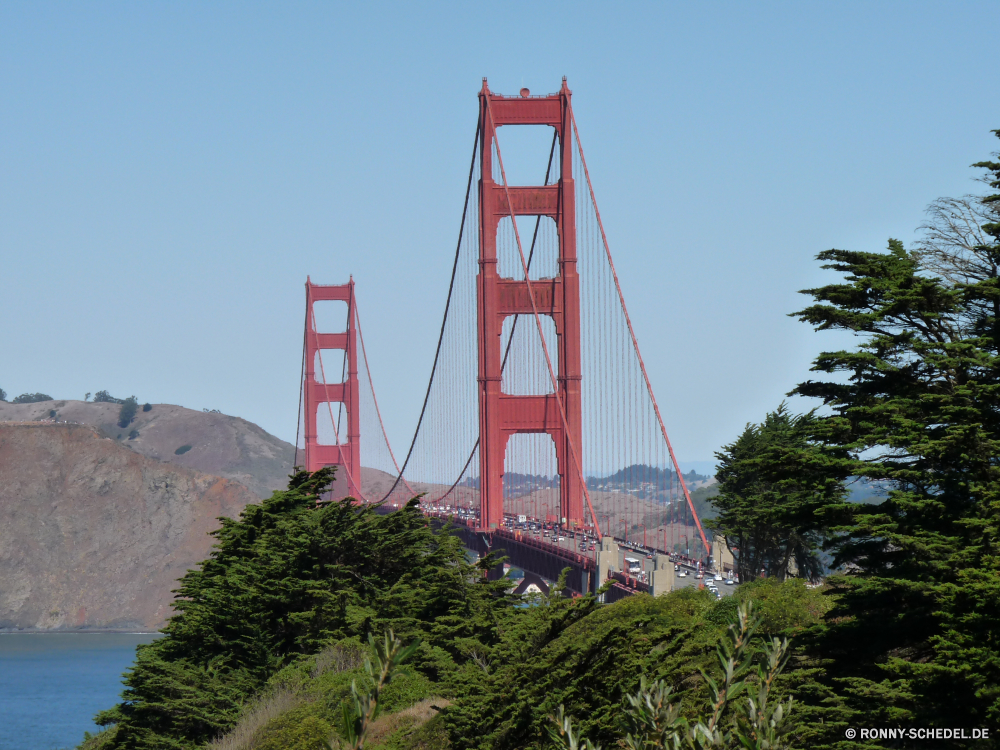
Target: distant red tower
502,415
317,394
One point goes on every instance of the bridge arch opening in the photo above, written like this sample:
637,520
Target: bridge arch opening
526,372
330,316
330,363
531,476
325,434
526,150
540,242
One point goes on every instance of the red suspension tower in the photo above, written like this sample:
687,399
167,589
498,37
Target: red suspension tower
320,395
502,415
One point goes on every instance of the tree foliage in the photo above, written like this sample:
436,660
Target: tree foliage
653,714
778,485
127,413
284,579
103,397
365,706
914,635
31,398
589,658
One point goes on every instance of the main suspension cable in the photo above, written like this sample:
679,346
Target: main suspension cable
513,325
447,305
371,385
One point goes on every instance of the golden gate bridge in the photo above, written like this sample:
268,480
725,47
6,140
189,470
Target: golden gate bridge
539,432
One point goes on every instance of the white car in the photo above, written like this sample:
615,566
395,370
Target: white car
682,574
718,576
730,582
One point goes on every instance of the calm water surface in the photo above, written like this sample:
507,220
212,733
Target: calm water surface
52,684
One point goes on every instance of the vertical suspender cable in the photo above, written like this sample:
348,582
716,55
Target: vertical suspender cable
302,380
378,413
635,342
447,304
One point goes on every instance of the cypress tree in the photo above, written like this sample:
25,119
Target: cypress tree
777,487
914,637
286,578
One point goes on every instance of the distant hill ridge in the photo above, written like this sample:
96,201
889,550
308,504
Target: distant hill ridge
209,442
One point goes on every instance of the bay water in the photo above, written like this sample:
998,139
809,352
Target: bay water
52,684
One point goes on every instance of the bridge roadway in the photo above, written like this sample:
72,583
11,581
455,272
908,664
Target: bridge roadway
533,553
545,557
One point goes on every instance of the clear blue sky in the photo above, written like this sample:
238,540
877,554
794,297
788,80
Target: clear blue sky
171,172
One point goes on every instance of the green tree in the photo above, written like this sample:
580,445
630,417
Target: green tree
653,714
3,395
288,577
777,487
103,397
127,413
915,633
32,398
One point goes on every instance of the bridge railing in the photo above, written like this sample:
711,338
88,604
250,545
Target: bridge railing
634,585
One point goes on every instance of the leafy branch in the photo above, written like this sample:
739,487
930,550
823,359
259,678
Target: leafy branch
656,723
364,708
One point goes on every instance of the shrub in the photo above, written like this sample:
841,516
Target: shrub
99,741
299,729
127,413
133,435
431,736
3,395
32,398
52,413
182,450
147,407
653,715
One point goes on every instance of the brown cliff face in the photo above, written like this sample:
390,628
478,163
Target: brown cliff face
94,535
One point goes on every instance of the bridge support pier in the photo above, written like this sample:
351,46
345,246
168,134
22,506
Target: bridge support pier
317,391
608,559
559,413
662,579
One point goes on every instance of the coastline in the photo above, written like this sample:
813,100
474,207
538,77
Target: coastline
78,631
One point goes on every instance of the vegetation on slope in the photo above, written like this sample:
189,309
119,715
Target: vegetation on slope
269,635
285,580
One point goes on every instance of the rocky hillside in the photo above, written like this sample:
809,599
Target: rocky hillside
213,443
95,535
